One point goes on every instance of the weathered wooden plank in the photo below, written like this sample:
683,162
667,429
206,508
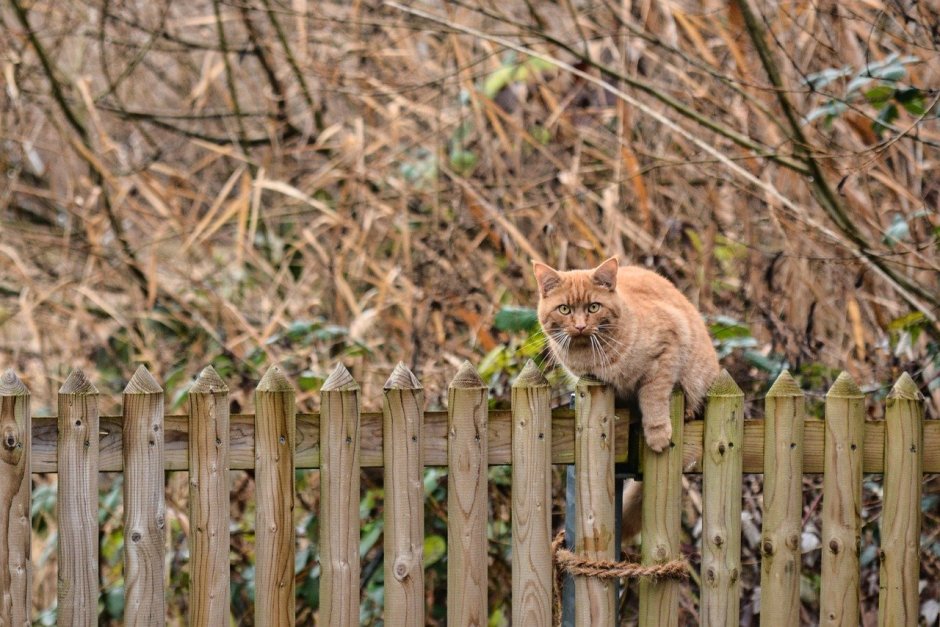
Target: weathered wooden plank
898,603
783,503
274,489
842,504
721,503
339,500
242,442
77,502
404,499
531,499
209,501
467,500
595,600
15,493
661,530
144,502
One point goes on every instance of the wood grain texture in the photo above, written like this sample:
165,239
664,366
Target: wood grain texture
595,599
467,500
898,602
661,531
721,503
531,499
144,502
209,501
339,500
275,428
77,502
783,503
403,408
15,493
499,446
842,504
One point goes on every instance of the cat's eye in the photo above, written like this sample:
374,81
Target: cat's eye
564,310
594,307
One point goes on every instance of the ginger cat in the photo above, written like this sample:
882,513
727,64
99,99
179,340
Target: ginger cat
632,329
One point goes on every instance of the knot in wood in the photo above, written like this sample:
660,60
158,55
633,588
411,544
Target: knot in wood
402,568
793,541
835,546
767,547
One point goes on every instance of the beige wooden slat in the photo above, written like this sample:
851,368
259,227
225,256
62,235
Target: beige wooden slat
144,502
15,493
467,500
339,500
209,501
721,503
403,404
531,499
77,502
275,418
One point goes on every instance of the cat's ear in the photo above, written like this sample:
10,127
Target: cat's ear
548,279
605,275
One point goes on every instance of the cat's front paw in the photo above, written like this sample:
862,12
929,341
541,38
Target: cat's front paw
658,436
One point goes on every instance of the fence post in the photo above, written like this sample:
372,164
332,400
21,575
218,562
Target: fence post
275,427
842,503
783,503
662,508
531,498
339,500
144,505
209,500
403,420
721,502
467,499
77,501
15,493
898,602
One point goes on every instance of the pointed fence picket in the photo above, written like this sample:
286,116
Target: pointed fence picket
404,438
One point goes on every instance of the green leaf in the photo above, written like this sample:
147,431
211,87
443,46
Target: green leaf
820,79
887,115
879,95
913,101
511,319
434,549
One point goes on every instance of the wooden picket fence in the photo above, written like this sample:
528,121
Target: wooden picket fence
403,438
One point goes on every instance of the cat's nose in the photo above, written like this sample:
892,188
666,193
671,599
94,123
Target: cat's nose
580,328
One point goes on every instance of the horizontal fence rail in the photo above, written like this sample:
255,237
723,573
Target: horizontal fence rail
276,440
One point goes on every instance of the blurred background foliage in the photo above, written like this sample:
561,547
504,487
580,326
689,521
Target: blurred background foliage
244,183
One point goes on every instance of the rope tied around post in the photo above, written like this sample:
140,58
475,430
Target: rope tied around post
565,561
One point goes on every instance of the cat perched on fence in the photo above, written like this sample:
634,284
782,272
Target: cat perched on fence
632,329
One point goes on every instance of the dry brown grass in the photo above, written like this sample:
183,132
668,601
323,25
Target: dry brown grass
244,183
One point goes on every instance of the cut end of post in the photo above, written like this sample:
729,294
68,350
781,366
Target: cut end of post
209,382
530,377
467,377
339,380
402,379
77,383
724,385
845,387
143,383
785,385
274,381
588,380
905,389
10,385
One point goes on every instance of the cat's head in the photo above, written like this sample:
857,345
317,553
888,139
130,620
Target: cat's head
578,304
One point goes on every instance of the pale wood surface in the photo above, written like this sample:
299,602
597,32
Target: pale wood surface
339,500
721,503
467,500
209,501
15,493
783,503
842,503
77,502
144,502
595,600
898,603
274,492
531,499
404,499
499,446
661,531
